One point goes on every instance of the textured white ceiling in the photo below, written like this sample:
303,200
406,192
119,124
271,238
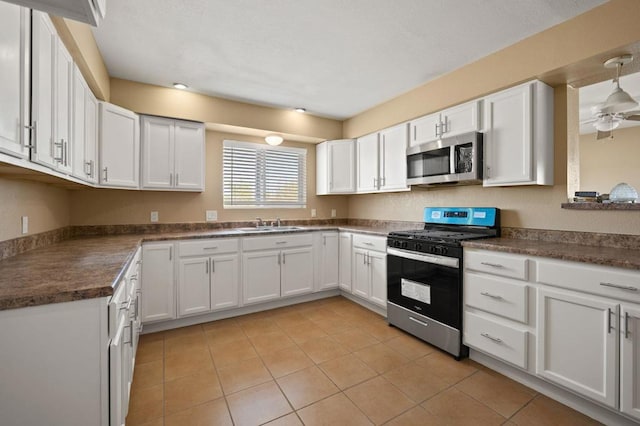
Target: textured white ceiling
336,58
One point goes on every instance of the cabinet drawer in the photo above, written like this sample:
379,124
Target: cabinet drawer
370,242
501,341
496,295
503,264
601,280
207,247
276,242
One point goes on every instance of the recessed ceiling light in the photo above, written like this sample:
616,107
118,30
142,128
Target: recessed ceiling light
300,110
180,85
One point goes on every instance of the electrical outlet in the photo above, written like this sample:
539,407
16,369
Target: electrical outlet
211,215
25,224
154,216
314,213
333,212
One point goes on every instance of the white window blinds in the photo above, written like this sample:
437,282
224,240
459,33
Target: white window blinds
257,175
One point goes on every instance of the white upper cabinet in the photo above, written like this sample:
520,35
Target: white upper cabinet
119,147
90,12
84,126
518,142
450,122
14,84
172,154
62,107
381,160
336,167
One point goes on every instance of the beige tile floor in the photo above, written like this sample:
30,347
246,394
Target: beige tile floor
328,362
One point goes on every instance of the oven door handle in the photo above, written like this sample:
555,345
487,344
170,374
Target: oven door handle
451,262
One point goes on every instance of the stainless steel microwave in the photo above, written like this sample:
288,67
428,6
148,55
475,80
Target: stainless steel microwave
457,159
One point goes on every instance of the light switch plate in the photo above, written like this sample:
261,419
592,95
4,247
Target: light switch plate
333,212
154,216
212,215
314,213
25,224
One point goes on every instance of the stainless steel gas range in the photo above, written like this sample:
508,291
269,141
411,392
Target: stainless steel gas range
424,273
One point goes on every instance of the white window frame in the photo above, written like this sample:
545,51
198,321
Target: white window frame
302,180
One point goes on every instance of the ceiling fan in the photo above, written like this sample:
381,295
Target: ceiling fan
619,105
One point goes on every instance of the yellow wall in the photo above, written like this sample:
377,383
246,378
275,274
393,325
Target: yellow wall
607,162
46,206
107,206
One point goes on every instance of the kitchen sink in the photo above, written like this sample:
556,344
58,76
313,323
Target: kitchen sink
268,229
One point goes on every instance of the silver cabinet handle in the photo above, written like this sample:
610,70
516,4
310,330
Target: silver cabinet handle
609,322
621,287
437,125
493,296
65,152
210,248
444,126
92,168
106,173
281,242
367,244
177,179
278,258
206,267
490,337
375,182
626,325
32,137
494,265
55,145
137,306
324,240
170,179
170,252
87,168
213,266
284,256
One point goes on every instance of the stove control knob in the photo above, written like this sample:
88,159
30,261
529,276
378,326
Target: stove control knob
418,247
404,245
396,243
439,250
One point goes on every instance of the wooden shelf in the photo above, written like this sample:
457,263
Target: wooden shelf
601,206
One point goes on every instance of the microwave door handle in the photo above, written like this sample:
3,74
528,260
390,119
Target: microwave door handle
452,159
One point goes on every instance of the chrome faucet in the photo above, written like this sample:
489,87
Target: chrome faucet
278,222
259,222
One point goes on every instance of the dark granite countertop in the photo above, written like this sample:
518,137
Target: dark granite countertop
607,256
91,267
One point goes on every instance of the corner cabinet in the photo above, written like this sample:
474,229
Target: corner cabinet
518,139
84,135
381,160
172,154
119,147
14,85
158,282
327,253
335,167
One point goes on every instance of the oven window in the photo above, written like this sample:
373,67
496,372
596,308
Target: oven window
430,163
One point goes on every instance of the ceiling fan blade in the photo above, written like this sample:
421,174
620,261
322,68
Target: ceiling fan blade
632,117
589,120
602,135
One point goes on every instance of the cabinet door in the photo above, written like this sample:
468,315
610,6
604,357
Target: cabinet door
424,129
367,163
393,158
14,84
157,282
62,109
577,344
329,271
461,119
119,146
224,281
44,51
260,276
157,152
117,379
344,266
508,140
90,164
378,276
189,155
630,362
297,271
193,286
360,284
78,128
342,160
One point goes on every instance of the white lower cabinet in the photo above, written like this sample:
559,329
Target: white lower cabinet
276,266
207,281
344,261
584,336
329,252
158,282
630,361
370,269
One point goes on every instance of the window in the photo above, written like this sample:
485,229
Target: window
256,175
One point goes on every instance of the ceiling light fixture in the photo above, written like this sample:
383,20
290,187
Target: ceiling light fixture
301,110
607,123
180,86
274,139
